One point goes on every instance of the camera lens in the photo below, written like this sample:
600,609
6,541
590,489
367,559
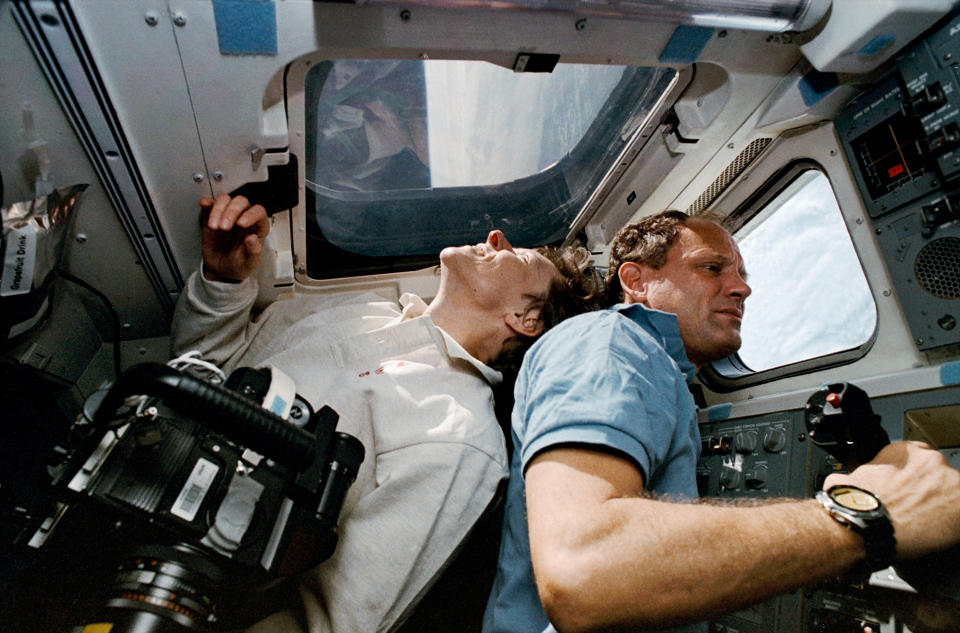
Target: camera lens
163,589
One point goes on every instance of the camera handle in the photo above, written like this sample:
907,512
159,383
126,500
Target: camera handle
217,408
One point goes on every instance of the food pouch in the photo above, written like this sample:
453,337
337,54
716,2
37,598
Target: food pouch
34,234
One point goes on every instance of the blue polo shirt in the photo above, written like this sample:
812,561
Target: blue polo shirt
616,379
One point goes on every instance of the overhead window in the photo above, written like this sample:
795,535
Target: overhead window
811,301
405,157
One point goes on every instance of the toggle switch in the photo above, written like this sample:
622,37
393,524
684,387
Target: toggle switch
928,100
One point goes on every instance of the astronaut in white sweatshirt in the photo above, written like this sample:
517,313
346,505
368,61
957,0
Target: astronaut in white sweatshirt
411,381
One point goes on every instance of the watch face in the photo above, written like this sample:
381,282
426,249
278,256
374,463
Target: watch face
854,498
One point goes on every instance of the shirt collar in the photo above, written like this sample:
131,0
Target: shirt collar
667,328
413,307
455,350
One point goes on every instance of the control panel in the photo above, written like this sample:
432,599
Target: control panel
775,455
902,140
759,457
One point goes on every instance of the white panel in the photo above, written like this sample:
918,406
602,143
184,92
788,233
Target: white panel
862,34
103,255
137,56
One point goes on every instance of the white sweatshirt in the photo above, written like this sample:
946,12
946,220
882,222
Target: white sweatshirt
419,403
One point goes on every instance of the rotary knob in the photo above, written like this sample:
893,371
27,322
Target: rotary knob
746,442
774,440
730,479
756,478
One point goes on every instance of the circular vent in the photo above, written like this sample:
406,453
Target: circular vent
938,268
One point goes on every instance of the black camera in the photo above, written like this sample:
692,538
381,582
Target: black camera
202,495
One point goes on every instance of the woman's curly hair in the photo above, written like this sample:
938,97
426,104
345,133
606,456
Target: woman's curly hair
578,289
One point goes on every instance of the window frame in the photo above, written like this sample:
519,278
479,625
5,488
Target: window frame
731,373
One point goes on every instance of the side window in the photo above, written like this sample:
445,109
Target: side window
810,297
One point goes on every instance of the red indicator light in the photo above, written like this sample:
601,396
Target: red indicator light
896,170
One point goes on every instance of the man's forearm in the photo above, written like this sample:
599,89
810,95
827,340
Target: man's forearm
604,555
658,563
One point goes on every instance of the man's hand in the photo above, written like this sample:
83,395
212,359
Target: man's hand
232,237
921,493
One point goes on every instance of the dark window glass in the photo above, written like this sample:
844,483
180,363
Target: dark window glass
407,157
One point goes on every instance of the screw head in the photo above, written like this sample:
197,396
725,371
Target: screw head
581,24
217,175
198,177
179,19
151,18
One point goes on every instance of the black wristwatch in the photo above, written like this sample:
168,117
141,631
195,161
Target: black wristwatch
861,511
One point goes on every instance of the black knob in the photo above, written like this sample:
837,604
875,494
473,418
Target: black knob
774,440
730,479
756,478
746,442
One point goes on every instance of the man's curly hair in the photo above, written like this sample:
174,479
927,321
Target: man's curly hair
645,242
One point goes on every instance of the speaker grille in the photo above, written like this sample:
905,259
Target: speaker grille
733,170
938,268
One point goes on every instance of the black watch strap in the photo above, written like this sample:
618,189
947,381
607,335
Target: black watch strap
881,545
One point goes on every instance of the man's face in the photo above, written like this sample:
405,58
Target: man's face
493,273
704,283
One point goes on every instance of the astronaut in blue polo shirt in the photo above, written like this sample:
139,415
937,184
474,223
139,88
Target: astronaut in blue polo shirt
600,529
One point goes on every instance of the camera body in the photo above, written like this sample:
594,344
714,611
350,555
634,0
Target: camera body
218,495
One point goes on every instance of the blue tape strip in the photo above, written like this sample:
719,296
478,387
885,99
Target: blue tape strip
686,44
815,85
719,412
950,373
278,405
246,27
876,45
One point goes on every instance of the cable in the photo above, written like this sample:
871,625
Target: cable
192,359
117,365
